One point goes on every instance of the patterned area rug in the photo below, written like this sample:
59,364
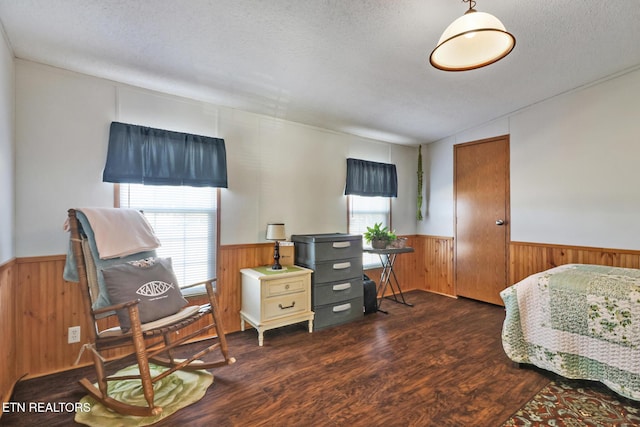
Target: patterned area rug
577,403
172,393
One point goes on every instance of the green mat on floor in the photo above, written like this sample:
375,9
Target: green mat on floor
172,393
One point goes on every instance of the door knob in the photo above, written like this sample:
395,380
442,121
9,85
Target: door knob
499,222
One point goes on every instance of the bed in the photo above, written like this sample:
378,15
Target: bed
579,321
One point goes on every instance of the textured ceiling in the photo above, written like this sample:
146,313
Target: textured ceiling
356,66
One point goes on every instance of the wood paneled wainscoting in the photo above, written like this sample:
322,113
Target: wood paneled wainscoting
8,373
433,268
428,268
530,258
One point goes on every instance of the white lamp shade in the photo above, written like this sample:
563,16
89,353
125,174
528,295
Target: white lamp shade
472,41
275,232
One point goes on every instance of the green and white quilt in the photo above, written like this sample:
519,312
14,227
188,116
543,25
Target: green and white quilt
579,321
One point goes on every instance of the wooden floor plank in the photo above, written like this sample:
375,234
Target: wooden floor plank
439,363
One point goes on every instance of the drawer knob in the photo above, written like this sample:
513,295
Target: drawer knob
287,286
289,306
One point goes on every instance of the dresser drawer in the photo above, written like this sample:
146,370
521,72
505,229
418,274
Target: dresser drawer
338,313
285,305
333,271
326,251
285,286
328,293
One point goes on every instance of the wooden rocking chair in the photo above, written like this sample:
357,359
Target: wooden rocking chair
151,342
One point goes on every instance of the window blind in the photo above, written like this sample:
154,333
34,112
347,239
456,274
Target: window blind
185,221
365,212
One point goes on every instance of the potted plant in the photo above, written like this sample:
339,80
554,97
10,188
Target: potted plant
378,236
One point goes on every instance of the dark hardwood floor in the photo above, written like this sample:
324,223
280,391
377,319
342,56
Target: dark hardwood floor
439,363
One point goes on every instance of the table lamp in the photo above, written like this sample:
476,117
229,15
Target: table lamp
276,232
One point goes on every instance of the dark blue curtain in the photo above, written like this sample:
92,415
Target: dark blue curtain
145,155
371,179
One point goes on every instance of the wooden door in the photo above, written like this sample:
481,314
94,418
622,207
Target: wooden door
481,191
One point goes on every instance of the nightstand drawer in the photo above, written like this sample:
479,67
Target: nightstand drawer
285,286
285,305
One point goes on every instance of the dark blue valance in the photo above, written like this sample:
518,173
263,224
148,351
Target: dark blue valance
145,155
371,179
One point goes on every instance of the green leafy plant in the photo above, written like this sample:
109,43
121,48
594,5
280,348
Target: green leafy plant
378,232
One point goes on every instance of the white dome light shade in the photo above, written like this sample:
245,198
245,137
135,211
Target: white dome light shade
474,40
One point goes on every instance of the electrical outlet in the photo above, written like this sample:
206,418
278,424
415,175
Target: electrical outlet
74,334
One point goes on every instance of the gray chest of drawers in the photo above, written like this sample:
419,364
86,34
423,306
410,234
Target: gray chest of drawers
336,281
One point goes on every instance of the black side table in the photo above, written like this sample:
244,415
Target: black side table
388,259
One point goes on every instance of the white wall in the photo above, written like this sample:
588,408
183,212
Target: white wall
574,168
7,152
278,170
574,173
62,126
437,159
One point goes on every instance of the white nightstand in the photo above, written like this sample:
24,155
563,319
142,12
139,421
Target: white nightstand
271,299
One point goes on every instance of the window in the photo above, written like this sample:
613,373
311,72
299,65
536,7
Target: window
185,220
364,212
369,186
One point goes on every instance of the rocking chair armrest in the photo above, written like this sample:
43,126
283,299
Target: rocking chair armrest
208,285
208,282
115,307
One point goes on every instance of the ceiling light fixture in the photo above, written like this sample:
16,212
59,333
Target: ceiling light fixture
474,40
